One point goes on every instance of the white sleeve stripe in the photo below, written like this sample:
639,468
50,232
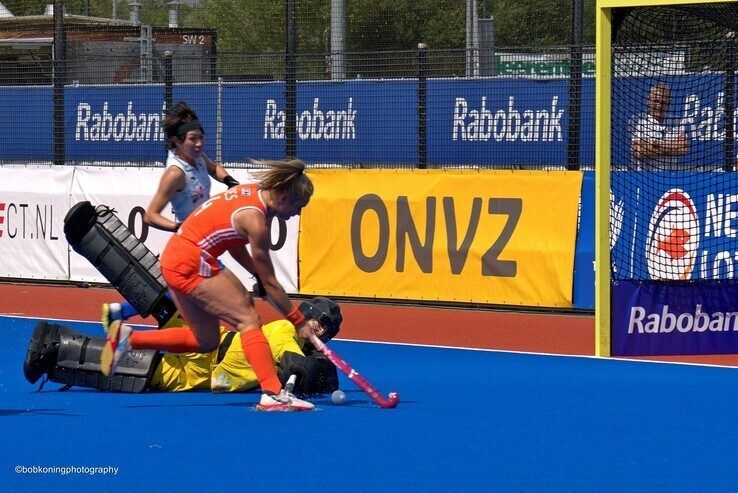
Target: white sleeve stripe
217,237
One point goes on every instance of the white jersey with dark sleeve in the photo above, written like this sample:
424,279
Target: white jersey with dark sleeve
196,190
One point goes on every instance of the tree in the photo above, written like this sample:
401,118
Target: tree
258,26
539,22
246,26
375,25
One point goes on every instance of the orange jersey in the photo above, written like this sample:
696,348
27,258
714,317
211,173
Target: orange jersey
210,226
208,232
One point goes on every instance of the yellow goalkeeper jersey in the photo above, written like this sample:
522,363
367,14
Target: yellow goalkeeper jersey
202,371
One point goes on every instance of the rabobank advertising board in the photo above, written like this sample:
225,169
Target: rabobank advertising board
375,122
357,122
105,124
475,121
505,121
351,122
26,121
675,263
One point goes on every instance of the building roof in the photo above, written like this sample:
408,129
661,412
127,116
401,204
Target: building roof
48,20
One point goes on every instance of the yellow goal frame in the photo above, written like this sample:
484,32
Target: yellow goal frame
603,87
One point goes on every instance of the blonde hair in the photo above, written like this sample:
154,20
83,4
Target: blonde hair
285,176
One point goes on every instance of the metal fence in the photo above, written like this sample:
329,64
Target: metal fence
81,83
108,64
101,100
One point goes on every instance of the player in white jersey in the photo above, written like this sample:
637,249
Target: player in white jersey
185,184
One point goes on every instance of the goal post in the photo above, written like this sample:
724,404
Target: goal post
603,85
666,185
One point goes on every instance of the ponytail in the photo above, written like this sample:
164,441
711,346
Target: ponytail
286,176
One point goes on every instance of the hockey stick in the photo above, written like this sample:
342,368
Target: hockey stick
290,385
383,402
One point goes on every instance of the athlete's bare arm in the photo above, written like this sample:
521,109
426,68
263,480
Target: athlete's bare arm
172,181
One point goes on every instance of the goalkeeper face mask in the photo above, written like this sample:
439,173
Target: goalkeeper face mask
326,312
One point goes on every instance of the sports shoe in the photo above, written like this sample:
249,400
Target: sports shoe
284,401
110,313
117,344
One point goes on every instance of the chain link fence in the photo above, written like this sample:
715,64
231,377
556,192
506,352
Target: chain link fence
102,99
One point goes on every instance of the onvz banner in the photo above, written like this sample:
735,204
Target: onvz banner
499,237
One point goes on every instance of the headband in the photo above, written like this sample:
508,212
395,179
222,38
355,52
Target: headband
187,126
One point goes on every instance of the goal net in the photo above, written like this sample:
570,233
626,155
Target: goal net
673,205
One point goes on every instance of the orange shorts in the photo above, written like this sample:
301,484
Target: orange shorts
181,282
184,265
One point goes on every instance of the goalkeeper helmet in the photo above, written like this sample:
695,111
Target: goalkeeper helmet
326,312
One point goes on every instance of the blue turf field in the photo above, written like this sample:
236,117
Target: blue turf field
467,421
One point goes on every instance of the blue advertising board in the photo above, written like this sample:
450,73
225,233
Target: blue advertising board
27,121
504,121
104,123
345,123
674,256
674,318
584,253
474,121
698,211
696,108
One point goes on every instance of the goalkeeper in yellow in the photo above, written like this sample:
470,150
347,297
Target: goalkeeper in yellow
67,357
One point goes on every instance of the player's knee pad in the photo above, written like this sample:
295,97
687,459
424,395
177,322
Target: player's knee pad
78,364
97,234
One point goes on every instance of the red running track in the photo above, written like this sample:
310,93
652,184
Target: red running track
484,329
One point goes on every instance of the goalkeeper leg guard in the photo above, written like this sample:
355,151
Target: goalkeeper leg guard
71,358
97,234
42,351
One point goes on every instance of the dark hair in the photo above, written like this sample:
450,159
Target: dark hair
286,176
173,118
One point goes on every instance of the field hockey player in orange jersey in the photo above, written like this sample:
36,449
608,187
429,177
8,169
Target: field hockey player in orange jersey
205,293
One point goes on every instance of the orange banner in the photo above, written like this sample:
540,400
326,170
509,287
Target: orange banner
499,237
